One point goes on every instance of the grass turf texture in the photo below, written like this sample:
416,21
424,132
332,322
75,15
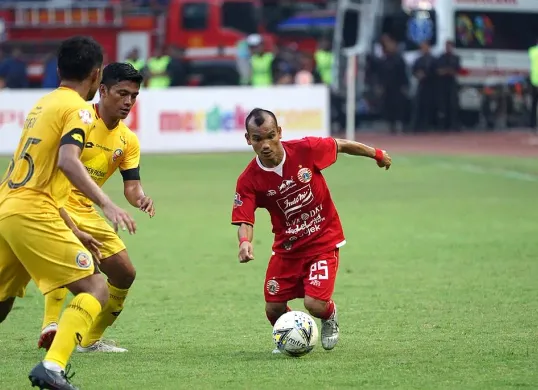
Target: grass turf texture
437,286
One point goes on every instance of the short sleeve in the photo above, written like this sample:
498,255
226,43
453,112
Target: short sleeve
132,154
76,125
324,151
244,205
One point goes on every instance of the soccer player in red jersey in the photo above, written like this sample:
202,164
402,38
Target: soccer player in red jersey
285,178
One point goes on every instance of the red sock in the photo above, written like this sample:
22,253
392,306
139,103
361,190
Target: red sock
273,319
330,311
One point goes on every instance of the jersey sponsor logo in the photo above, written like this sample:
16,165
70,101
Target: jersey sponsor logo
123,141
83,260
89,145
295,201
85,116
117,154
77,137
304,175
237,200
286,185
271,193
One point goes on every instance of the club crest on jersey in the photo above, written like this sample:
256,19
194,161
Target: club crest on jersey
237,200
272,287
117,154
304,175
83,260
85,116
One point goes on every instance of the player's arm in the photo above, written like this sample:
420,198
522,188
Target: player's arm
355,148
243,216
71,146
86,239
130,171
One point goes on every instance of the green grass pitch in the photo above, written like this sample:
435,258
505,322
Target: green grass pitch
438,284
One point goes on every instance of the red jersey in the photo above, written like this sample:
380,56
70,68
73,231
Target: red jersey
303,215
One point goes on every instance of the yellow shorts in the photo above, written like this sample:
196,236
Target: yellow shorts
88,220
39,247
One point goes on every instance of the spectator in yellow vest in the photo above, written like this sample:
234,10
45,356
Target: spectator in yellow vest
134,59
157,69
324,60
261,62
533,56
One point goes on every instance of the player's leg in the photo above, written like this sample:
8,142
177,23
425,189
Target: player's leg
121,274
319,286
54,257
282,284
54,302
13,279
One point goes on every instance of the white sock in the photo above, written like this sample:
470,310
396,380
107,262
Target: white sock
52,366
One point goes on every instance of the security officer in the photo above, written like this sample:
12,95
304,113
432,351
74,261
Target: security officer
260,62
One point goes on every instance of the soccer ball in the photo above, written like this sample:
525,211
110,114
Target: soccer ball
295,333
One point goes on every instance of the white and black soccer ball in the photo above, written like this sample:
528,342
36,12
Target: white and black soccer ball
295,333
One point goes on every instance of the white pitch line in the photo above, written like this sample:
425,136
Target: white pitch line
506,173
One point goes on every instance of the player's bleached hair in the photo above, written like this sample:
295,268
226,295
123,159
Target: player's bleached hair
259,116
116,72
77,57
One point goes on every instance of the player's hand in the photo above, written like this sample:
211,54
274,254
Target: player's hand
147,206
245,252
90,244
385,162
119,218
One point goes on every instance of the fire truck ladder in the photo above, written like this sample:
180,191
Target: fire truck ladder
53,14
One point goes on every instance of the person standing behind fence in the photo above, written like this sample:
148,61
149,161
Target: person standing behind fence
134,59
424,107
448,66
261,62
533,55
324,61
157,70
394,84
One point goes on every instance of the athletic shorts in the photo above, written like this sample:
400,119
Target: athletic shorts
89,221
287,279
39,247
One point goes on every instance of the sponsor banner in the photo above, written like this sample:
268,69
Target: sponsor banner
194,119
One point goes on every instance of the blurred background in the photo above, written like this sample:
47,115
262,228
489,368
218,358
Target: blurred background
400,66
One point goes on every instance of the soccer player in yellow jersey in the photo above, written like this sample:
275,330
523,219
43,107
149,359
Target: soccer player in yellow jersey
35,242
110,146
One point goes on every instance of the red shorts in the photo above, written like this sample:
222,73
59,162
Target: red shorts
287,279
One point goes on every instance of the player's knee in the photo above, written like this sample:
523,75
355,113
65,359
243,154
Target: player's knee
275,309
5,308
120,270
315,307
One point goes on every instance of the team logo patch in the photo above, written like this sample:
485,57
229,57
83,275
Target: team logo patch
304,175
272,287
237,200
85,116
117,154
83,260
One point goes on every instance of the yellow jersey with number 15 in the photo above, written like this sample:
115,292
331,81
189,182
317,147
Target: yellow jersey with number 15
33,183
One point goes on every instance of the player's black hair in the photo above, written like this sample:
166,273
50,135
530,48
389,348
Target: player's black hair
116,72
259,115
77,57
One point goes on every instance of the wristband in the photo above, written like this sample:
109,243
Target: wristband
379,155
242,240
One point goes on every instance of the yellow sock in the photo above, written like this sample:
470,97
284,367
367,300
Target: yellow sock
77,318
108,315
54,302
